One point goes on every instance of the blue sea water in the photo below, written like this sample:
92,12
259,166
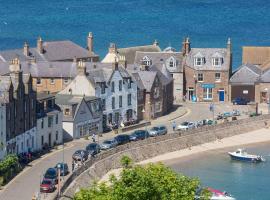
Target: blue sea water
136,22
245,181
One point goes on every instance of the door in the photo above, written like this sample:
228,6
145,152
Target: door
50,140
221,95
190,94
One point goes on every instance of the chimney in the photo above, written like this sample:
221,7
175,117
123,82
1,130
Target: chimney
15,68
186,47
155,43
112,48
75,59
26,49
229,45
40,45
115,64
90,42
81,68
122,61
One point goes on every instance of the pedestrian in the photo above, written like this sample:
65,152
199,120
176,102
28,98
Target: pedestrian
173,125
94,137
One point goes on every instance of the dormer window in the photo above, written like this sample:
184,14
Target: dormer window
172,62
147,61
217,61
199,61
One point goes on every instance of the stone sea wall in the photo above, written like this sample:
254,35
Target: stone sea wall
97,167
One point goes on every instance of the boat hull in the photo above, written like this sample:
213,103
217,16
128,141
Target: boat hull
245,159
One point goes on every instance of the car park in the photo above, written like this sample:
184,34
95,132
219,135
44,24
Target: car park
63,168
186,126
122,139
80,155
158,130
139,135
93,149
47,185
108,144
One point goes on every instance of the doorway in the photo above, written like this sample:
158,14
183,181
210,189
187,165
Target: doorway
221,95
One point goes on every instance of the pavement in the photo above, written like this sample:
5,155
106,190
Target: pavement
26,184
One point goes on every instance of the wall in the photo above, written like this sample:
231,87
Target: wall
2,131
97,167
178,87
237,91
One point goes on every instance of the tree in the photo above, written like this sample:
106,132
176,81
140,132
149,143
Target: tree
149,182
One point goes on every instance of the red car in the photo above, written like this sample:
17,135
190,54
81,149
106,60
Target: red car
47,185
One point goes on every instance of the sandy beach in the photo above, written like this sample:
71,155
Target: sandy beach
258,136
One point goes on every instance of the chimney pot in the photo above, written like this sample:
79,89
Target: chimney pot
90,42
40,45
26,49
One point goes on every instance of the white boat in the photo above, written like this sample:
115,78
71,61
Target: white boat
218,195
242,155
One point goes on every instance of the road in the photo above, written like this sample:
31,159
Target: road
26,184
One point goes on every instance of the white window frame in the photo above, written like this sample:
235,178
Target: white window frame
207,93
218,79
198,61
172,62
216,61
147,61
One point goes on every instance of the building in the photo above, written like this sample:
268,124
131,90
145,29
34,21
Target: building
155,90
112,84
49,122
53,51
19,101
2,127
173,62
207,72
243,82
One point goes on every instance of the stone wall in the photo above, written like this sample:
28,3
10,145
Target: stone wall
141,150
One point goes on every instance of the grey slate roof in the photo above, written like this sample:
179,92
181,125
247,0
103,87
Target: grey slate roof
161,57
62,99
208,54
53,51
265,77
247,74
130,52
147,79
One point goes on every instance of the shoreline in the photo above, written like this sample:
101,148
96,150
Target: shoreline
250,138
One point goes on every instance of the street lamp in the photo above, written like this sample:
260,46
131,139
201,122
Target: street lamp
59,174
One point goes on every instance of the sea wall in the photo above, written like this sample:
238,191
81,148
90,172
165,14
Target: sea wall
97,167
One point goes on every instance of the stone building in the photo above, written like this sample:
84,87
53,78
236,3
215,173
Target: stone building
49,122
207,72
173,62
52,51
19,101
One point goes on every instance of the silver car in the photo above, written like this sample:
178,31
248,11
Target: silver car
108,144
158,130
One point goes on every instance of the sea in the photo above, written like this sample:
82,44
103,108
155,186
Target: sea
215,169
208,23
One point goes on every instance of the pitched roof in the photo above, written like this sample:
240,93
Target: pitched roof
265,77
53,51
255,55
130,52
147,79
246,74
207,54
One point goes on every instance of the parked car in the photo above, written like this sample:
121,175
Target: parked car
51,174
240,101
47,185
93,149
80,155
108,144
139,135
122,139
63,168
158,130
186,126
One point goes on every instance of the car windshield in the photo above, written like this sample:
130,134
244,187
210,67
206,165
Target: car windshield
91,147
137,132
108,142
50,173
78,152
184,124
154,129
46,182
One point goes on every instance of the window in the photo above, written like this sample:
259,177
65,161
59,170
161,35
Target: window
156,92
42,123
56,119
38,81
66,80
129,99
52,81
157,107
146,61
67,111
120,85
102,88
199,61
120,101
207,93
217,77
112,89
56,136
42,140
103,104
50,121
216,61
200,77
113,102
172,62
129,83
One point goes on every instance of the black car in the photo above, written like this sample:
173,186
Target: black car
93,149
80,155
139,135
51,174
122,139
63,168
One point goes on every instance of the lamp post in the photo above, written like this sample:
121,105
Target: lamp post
59,174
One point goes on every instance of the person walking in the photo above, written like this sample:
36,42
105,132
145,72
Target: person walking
94,137
173,125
